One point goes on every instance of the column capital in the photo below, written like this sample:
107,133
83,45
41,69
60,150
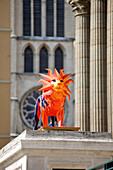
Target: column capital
80,7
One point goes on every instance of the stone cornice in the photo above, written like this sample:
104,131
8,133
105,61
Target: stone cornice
80,7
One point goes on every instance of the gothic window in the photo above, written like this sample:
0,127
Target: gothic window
60,18
43,60
37,17
59,59
28,60
35,29
26,17
49,18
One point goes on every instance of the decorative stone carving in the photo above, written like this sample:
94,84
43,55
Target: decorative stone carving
80,7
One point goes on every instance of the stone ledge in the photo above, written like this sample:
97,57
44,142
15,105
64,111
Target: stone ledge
40,139
44,38
65,135
49,143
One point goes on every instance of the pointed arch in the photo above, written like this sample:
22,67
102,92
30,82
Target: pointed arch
28,45
59,58
61,46
28,60
43,45
43,59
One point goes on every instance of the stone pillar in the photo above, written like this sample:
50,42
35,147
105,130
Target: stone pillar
43,6
32,18
14,99
55,13
110,65
98,107
81,9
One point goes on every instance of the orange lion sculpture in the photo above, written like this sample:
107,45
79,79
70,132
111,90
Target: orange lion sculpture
51,102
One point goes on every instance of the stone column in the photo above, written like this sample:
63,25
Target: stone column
55,11
32,18
14,99
81,9
110,65
98,107
43,6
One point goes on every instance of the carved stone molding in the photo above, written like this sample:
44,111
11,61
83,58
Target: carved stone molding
80,7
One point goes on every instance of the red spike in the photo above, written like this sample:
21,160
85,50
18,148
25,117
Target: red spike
69,81
66,94
66,77
49,72
45,88
43,81
67,89
56,74
46,77
61,72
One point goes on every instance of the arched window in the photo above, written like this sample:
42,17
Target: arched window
60,18
43,60
28,60
59,59
26,17
37,17
49,18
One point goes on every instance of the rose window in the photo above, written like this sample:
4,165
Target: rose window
28,107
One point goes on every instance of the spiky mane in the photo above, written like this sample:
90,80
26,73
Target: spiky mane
47,86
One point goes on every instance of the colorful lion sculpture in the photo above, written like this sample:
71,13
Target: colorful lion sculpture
51,102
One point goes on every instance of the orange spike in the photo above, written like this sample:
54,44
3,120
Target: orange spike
49,72
43,81
47,93
56,74
66,77
66,94
47,87
69,81
67,89
46,77
61,72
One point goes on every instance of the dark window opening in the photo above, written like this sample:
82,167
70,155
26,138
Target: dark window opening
26,17
59,59
43,60
60,18
49,18
37,17
28,60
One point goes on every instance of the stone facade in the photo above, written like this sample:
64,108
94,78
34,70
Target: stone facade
94,44
89,59
23,83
